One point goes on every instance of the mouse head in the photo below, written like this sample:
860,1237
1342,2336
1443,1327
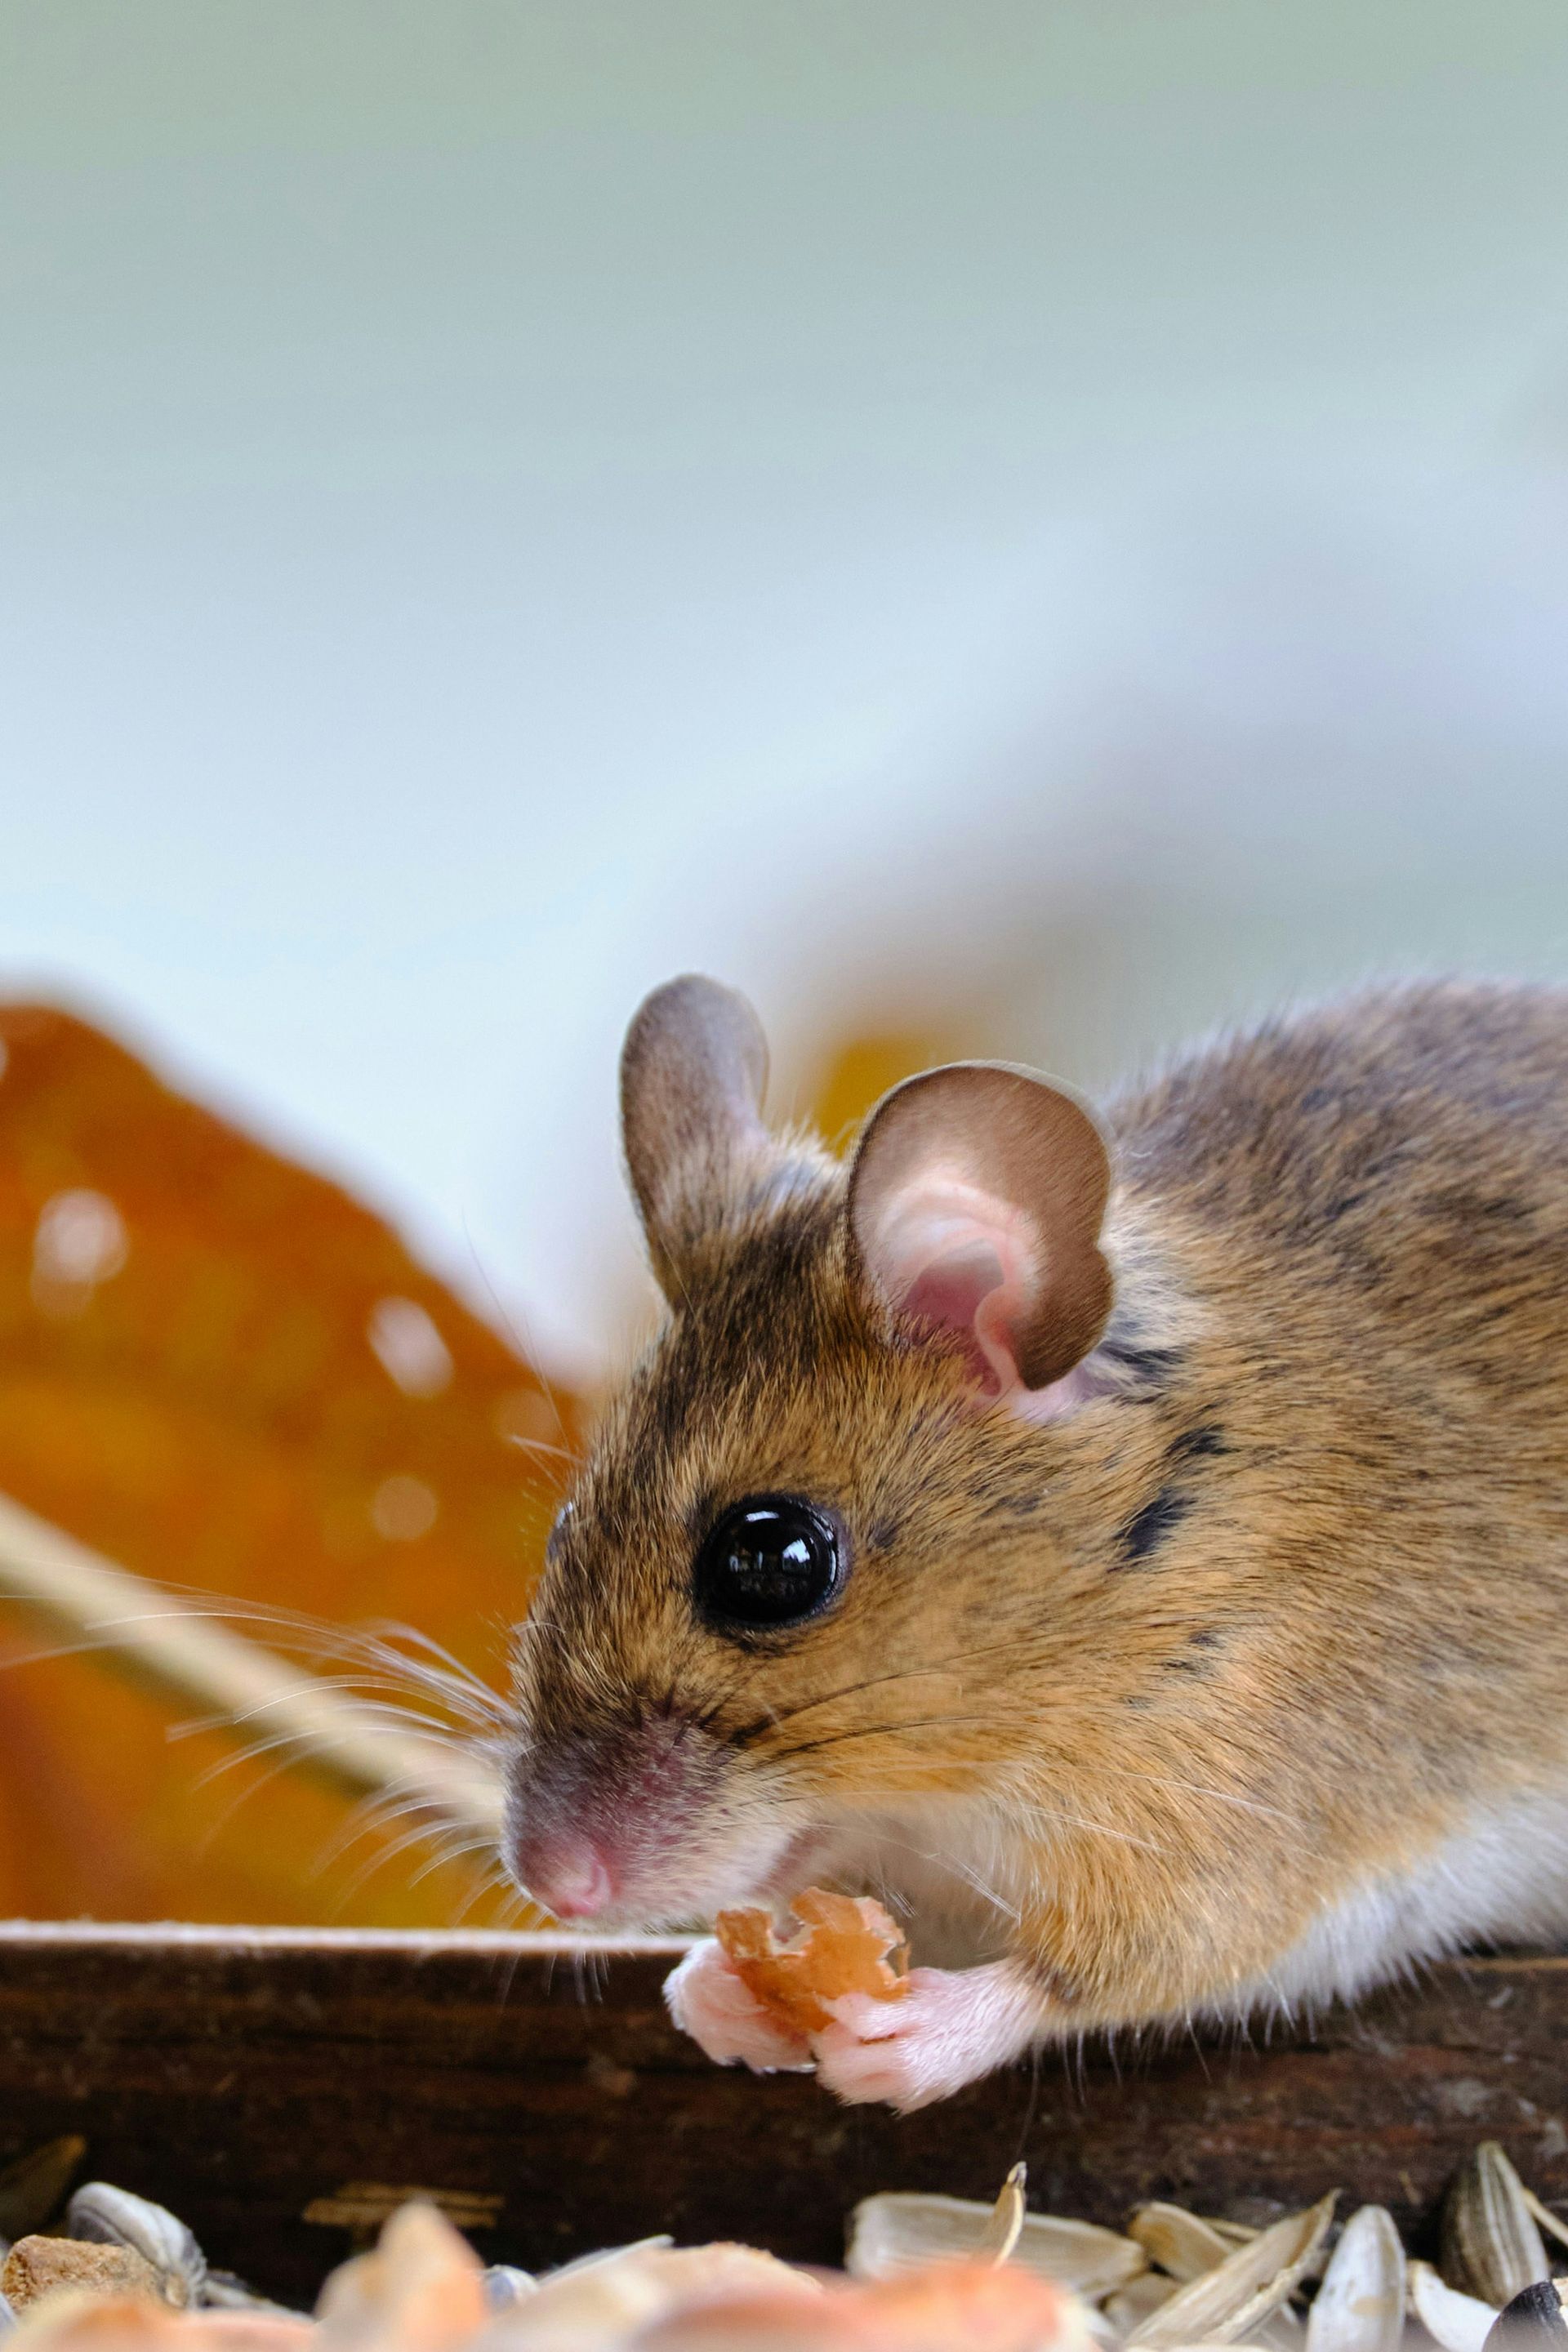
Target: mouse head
764,1611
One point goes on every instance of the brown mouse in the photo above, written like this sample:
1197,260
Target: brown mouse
1138,1552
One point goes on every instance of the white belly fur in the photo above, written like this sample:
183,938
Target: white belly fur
1502,1880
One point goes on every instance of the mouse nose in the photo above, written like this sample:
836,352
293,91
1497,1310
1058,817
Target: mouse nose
570,1876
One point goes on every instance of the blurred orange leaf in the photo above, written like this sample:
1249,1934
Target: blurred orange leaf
224,1372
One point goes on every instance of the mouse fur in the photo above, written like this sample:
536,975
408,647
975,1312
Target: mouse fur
1221,1670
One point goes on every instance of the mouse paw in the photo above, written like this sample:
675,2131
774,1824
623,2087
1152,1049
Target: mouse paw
949,2028
707,2000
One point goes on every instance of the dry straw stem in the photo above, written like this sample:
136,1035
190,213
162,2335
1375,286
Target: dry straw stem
241,1685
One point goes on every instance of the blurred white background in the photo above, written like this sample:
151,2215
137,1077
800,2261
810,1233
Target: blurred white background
1045,522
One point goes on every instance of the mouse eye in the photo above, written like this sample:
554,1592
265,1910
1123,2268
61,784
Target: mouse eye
770,1560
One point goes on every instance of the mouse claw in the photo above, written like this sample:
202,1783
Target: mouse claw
706,2000
949,2028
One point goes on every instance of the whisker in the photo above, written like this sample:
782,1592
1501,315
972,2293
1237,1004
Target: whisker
959,1869
451,1854
876,1682
540,1445
884,1731
1198,1788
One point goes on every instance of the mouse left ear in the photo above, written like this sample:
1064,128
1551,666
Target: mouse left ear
692,1073
975,1205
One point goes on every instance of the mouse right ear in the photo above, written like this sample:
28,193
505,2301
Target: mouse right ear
975,1205
692,1073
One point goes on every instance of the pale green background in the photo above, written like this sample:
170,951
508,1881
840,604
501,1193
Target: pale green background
1049,516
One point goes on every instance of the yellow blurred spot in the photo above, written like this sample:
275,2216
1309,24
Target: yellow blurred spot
860,1073
410,1349
403,1509
526,1417
78,1242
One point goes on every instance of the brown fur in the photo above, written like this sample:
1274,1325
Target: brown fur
1272,1618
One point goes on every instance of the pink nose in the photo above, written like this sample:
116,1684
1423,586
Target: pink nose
574,1880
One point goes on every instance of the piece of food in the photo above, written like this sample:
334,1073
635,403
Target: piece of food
39,2266
850,1945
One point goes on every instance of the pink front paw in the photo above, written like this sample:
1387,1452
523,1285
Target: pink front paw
949,2028
707,2000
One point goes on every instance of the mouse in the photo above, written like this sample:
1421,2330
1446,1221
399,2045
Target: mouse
1131,1542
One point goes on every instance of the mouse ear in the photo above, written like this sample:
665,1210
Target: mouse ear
976,1202
692,1073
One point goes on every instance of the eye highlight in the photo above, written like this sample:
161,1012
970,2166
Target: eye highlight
769,1561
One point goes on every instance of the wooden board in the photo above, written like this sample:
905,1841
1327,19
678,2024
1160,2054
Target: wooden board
274,2086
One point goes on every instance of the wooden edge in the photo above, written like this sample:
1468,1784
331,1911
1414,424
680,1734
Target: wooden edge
521,1943
176,1934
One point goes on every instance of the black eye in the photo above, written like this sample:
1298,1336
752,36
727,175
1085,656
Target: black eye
770,1560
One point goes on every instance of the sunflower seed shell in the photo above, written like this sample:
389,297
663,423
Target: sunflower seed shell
1134,2302
1248,2287
1458,2322
1002,2232
32,2189
1360,2306
221,2291
1532,2322
1553,2224
1179,2242
114,2217
1492,2246
899,2229
505,2284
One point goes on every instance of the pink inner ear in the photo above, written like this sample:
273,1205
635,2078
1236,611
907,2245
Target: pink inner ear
965,1262
951,1293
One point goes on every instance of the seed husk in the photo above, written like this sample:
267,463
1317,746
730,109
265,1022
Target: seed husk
1002,2232
1492,2246
505,2284
1532,2322
221,2291
1134,2302
1248,2287
1458,2322
114,2217
1360,2307
899,2229
1553,2224
1179,2242
32,2188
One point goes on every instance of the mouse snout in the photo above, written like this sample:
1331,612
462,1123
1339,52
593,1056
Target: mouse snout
617,1821
569,1874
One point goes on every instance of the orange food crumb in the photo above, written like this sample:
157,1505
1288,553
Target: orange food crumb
850,1945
